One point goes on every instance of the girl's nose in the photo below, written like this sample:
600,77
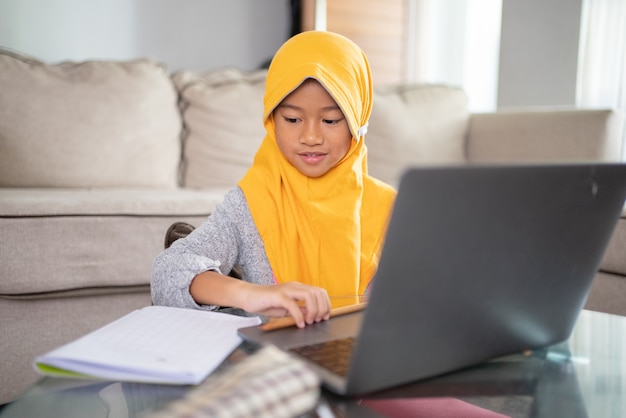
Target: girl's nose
312,134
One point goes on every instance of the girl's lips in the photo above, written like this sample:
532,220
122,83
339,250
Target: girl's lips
312,157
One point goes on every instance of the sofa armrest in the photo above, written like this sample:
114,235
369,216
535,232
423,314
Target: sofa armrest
531,135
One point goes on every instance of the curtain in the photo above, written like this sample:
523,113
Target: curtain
602,57
456,42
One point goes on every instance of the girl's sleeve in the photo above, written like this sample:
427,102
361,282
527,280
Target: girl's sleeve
214,245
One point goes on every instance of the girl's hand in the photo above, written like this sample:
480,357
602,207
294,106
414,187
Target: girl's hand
306,304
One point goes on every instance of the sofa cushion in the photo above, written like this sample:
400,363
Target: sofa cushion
58,240
614,260
415,125
223,117
91,124
536,134
607,294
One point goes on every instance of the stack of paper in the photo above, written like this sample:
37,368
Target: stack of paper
155,344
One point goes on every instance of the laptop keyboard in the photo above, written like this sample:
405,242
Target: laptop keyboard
333,355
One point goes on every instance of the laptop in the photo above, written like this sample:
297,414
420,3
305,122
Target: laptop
479,262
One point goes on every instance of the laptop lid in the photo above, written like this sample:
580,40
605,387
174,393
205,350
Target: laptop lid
478,262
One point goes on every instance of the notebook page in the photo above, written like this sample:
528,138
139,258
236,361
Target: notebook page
154,344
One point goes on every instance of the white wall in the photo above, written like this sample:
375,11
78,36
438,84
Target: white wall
189,34
537,56
539,52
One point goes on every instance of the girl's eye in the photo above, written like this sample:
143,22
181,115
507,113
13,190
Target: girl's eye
291,120
331,121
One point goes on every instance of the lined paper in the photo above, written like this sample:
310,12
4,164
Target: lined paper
155,344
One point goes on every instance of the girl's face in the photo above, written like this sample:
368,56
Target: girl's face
311,131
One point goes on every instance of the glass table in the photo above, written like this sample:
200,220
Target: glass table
582,377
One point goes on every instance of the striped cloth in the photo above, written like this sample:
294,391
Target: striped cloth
268,383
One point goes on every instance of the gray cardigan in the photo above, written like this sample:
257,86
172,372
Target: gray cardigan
227,238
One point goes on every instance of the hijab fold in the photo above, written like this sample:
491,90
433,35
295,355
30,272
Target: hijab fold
324,231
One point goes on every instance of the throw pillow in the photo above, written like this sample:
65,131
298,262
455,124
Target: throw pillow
413,124
89,124
223,118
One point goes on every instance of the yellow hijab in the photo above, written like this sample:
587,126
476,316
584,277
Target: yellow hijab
324,231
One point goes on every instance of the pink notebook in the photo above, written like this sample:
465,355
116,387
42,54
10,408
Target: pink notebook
428,408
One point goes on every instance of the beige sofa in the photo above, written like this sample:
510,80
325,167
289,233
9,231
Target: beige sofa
97,159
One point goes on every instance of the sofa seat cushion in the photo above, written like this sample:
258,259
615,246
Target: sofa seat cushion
90,124
60,240
607,294
34,202
614,260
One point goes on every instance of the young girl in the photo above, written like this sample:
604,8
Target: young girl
306,223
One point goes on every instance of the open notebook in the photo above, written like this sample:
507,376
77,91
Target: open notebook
155,344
